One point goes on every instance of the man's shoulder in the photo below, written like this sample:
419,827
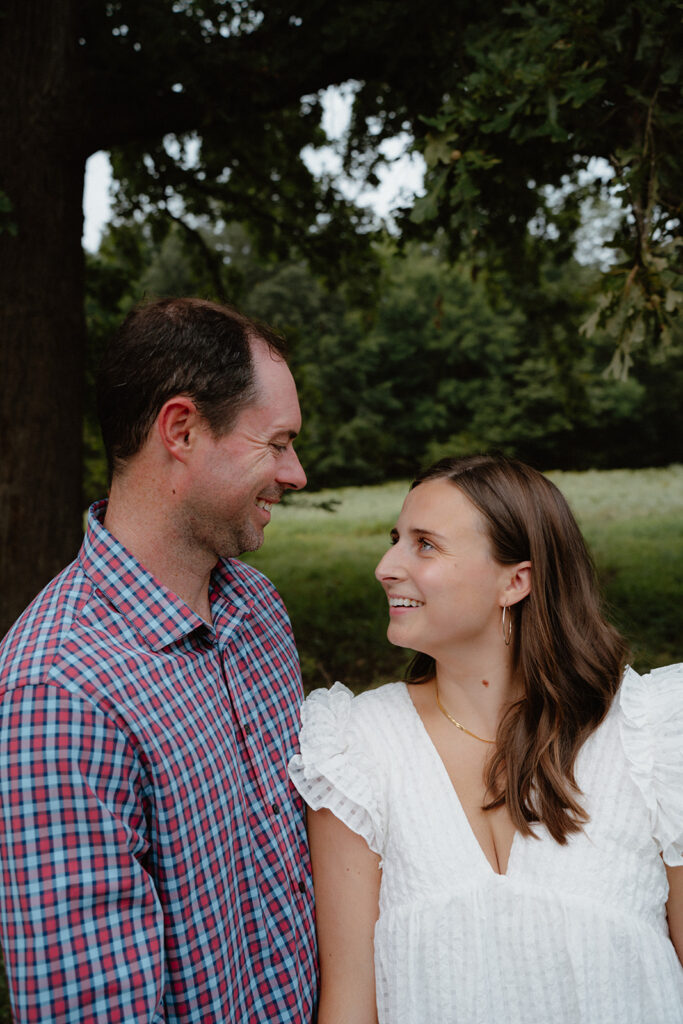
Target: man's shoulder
60,623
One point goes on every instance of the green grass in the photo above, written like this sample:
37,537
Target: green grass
322,563
633,522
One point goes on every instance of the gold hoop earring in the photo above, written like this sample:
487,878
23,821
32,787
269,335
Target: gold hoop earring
507,630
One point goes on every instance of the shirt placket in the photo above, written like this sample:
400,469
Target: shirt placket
247,717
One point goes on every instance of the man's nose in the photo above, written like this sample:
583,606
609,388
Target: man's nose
291,474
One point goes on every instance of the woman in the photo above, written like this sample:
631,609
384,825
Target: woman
500,838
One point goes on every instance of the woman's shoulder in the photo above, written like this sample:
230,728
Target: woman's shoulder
652,699
651,723
342,763
341,697
337,715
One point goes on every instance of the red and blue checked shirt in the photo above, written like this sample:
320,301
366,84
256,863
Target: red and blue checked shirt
153,852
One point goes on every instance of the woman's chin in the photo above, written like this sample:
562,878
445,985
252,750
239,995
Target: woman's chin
394,637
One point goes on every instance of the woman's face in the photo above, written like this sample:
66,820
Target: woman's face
444,587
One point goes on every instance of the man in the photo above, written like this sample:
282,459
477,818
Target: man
153,854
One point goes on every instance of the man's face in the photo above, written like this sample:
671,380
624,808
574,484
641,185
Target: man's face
238,476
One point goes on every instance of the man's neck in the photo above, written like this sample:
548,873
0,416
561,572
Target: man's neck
146,530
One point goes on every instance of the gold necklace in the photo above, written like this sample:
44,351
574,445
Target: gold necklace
457,724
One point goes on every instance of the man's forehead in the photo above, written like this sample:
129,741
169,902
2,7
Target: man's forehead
261,350
273,408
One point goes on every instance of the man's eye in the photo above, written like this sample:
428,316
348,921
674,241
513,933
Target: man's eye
424,545
279,448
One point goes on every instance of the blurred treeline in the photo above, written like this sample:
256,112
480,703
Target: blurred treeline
415,358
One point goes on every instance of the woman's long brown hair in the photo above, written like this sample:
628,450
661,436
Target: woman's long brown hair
568,657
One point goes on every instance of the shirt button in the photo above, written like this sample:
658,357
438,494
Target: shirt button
275,808
302,887
247,730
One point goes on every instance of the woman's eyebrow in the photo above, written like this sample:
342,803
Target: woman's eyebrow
419,531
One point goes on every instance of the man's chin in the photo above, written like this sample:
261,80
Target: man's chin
251,541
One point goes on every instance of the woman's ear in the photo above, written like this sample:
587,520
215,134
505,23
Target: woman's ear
176,425
518,583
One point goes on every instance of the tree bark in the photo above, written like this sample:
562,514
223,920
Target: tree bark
42,331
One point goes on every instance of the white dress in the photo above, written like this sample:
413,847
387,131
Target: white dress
573,934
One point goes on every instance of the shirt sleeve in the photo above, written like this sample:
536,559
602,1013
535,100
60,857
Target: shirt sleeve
335,767
82,929
652,735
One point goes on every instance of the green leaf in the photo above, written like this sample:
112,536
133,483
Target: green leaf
427,206
439,149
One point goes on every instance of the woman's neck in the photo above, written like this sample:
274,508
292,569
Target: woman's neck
480,692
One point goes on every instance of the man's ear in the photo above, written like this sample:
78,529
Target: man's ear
177,425
518,584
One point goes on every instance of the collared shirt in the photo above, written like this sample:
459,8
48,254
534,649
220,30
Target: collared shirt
153,854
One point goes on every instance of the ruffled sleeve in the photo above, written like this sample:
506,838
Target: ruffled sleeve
335,768
652,735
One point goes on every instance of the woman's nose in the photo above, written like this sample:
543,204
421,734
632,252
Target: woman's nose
388,567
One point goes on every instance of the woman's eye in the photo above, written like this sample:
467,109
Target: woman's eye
424,545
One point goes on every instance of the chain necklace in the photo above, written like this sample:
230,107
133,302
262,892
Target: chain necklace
455,723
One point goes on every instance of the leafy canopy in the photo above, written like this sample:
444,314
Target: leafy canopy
537,92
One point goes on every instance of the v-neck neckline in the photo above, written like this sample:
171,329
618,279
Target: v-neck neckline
446,779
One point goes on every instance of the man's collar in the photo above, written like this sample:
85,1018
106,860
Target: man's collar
158,614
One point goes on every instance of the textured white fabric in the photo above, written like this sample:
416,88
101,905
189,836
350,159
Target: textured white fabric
573,934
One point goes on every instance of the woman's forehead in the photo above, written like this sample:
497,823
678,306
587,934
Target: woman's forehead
440,506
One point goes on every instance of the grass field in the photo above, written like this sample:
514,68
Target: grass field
322,562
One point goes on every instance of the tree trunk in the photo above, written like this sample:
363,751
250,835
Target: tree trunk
41,299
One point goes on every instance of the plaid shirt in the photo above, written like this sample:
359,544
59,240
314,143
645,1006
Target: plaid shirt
153,851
